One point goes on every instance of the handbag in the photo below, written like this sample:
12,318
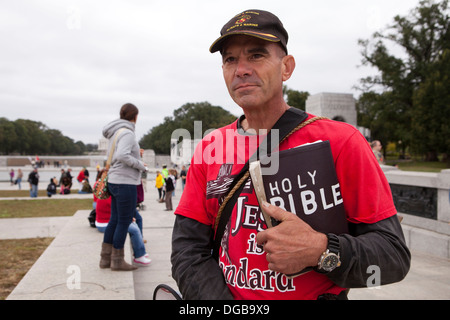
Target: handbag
101,186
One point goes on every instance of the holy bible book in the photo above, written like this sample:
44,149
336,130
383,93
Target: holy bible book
305,184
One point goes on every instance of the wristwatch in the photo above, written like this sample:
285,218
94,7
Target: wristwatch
330,259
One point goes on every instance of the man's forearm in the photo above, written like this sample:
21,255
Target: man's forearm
197,274
369,248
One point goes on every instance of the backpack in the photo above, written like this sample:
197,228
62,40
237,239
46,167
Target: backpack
51,188
169,184
92,217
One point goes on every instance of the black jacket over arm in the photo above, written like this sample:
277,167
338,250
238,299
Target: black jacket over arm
197,274
380,245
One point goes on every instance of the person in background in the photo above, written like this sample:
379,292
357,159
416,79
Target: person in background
124,176
61,177
159,185
86,187
51,188
65,184
169,186
69,174
33,180
165,174
11,176
175,178
19,178
144,173
80,177
183,175
102,217
376,148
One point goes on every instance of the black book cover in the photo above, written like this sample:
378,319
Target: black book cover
304,183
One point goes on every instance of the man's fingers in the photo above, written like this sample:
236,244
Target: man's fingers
275,212
291,245
281,215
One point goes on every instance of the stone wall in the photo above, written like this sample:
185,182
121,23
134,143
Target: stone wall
52,161
74,161
423,200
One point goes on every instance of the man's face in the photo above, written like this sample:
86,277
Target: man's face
378,146
253,71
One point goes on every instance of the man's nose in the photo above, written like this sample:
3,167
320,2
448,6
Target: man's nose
243,68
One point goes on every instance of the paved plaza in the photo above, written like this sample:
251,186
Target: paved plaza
78,245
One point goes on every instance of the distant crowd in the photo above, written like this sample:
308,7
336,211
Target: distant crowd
61,186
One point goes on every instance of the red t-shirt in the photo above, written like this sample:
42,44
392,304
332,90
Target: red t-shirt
103,210
221,155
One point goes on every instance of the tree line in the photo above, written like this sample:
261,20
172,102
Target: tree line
158,137
408,100
212,117
27,137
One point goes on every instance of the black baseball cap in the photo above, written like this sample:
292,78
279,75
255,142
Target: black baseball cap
257,23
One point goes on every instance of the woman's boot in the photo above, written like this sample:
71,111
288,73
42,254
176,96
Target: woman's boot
117,261
105,255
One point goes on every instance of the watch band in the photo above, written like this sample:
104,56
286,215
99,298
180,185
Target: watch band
332,250
333,243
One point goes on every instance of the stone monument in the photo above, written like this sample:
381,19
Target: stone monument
336,106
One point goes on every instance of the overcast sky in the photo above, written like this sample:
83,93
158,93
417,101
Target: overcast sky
73,64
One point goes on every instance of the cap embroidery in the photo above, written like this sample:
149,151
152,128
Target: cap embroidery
269,28
244,18
243,22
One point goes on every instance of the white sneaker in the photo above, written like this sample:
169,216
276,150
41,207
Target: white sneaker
144,260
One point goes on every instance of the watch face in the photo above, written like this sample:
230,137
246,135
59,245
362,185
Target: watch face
330,262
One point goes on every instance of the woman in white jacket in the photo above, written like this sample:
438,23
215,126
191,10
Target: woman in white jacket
123,177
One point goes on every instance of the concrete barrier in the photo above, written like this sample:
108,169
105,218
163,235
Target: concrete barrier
27,228
422,198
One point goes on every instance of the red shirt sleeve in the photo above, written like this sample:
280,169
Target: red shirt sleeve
365,190
193,200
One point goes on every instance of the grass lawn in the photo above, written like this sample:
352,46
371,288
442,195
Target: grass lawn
42,208
416,164
423,166
24,193
18,255
16,258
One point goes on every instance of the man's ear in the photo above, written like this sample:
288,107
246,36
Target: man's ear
288,66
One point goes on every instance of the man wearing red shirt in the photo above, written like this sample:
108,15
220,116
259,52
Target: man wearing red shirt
254,260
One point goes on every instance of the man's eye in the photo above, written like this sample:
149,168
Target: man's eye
229,60
257,56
